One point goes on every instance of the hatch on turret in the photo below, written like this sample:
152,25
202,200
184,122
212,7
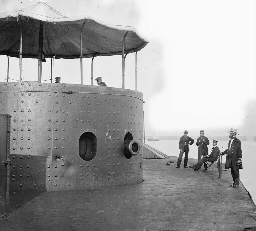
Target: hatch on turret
87,146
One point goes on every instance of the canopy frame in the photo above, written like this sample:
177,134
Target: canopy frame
123,59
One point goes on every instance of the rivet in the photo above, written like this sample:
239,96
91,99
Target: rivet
62,147
49,129
56,138
22,110
21,148
36,101
13,148
55,147
49,179
28,147
63,138
57,120
22,94
48,166
57,111
69,102
14,138
20,175
49,148
29,119
34,185
29,129
20,185
49,176
29,110
49,110
81,174
29,94
49,138
49,120
21,129
14,110
55,184
63,120
55,166
81,166
63,129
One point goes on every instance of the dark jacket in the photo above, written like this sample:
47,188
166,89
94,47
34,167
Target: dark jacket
214,154
233,154
103,84
202,143
184,142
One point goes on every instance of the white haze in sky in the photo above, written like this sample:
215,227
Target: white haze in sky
197,72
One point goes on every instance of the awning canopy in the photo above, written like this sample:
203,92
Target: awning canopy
61,36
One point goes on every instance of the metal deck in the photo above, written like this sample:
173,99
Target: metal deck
168,199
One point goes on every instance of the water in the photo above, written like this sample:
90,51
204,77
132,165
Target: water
247,174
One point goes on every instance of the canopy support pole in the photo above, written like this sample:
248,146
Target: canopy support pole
40,52
8,68
123,59
136,71
51,70
20,55
81,53
92,71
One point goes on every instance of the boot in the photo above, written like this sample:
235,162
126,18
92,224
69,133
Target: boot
178,163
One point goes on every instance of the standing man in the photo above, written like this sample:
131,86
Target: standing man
202,143
234,157
100,82
184,143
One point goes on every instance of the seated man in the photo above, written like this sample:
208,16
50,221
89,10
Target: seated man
211,158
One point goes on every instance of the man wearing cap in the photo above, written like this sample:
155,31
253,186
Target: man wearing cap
184,143
202,143
234,157
211,158
100,82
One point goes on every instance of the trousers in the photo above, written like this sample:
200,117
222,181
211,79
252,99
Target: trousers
185,159
235,175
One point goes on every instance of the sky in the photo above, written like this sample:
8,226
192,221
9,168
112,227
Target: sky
197,72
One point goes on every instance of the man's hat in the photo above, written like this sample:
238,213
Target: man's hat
185,132
98,78
215,141
232,130
201,131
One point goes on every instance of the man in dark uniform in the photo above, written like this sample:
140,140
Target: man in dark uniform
211,158
202,143
184,143
100,83
234,157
